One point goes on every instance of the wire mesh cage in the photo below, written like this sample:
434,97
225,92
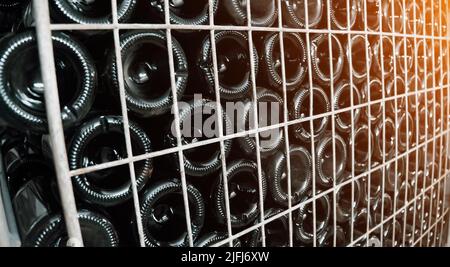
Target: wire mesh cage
328,123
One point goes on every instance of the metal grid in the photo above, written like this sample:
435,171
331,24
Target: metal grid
44,29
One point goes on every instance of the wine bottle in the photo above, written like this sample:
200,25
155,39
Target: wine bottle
384,132
410,232
90,12
405,192
102,140
185,12
344,202
243,193
414,84
443,24
276,232
146,72
392,234
373,113
404,133
431,25
396,87
392,16
359,145
263,13
36,203
270,112
423,212
343,100
304,218
212,238
327,238
428,84
373,187
424,56
414,18
423,127
384,204
383,57
202,160
294,13
295,60
361,58
404,49
22,90
440,58
372,7
394,175
233,61
301,175
435,120
359,222
324,159
96,229
299,108
339,12
320,55
22,160
163,214
374,241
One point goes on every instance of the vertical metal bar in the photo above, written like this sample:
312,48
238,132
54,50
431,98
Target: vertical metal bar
417,126
383,86
123,105
408,130
425,33
256,123
4,237
366,35
285,119
313,156
442,121
445,118
219,121
433,40
396,114
177,123
48,72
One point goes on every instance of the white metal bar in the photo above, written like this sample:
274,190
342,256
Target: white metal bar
59,153
177,123
230,136
383,94
285,118
126,124
138,26
408,127
417,129
396,118
255,121
219,121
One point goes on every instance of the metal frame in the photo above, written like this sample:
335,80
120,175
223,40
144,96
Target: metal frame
44,29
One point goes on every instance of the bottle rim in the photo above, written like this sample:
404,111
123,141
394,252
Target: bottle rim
161,189
80,142
73,111
66,12
159,105
274,77
219,195
205,62
238,11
